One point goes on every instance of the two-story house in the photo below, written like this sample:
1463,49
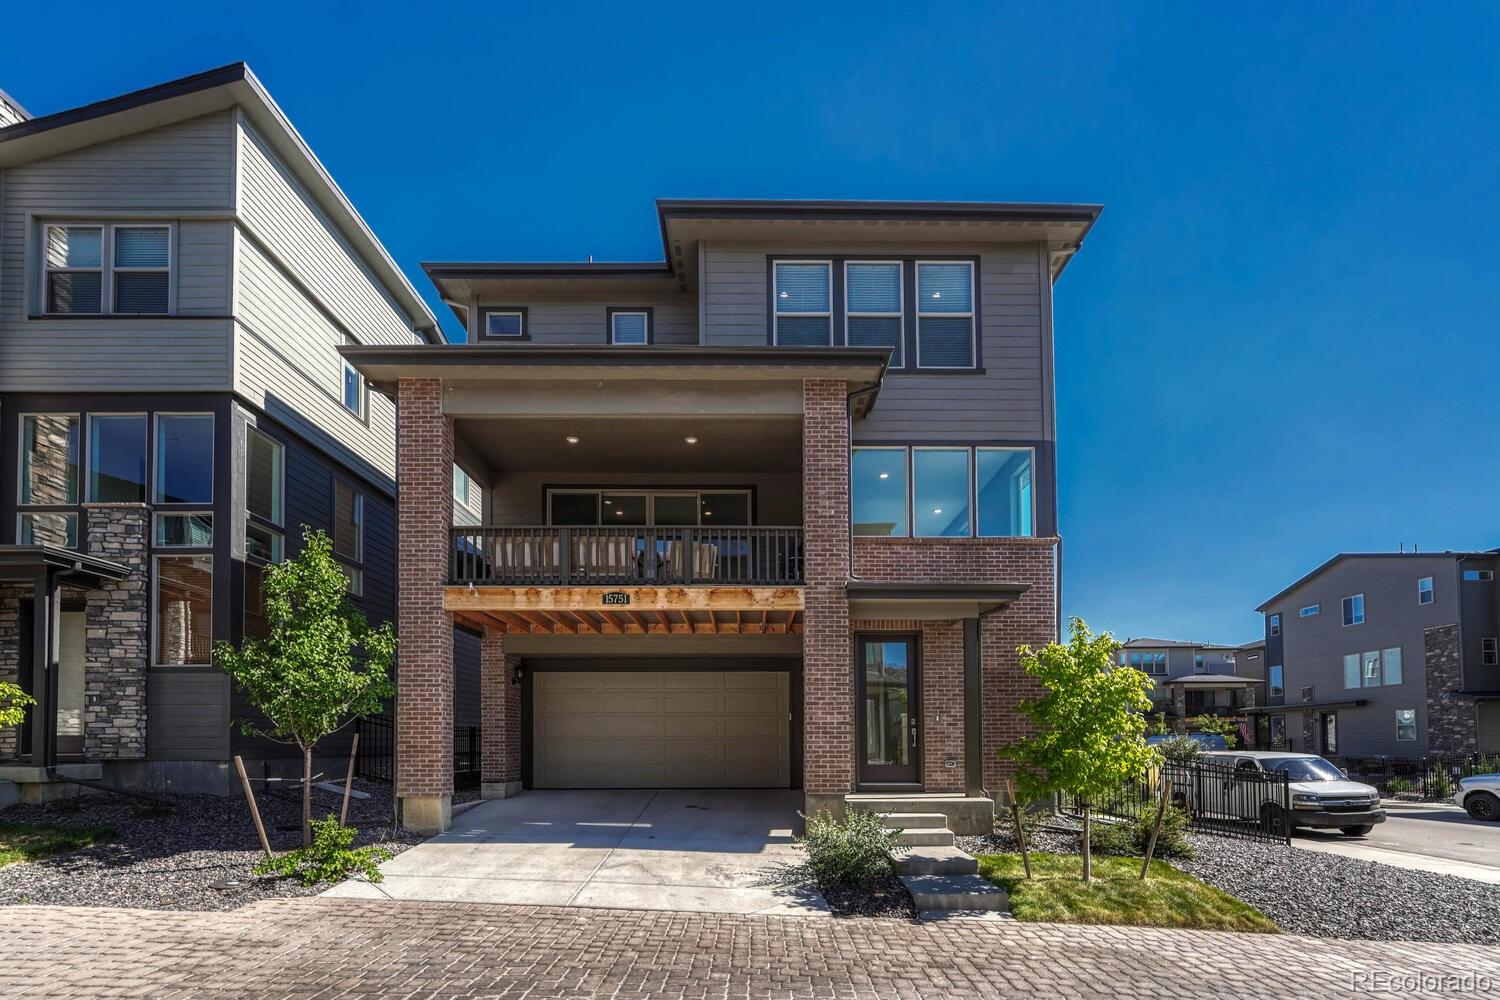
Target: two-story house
1194,678
773,511
177,275
1390,653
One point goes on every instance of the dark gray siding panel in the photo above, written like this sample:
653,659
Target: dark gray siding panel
187,717
466,710
1477,598
674,319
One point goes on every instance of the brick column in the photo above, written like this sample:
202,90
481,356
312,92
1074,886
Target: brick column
424,675
1031,621
827,664
1452,720
116,652
942,706
500,730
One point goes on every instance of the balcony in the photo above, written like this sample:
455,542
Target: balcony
627,557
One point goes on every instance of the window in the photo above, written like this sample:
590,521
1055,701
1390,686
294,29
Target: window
354,393
1371,670
184,531
1377,668
1198,663
461,484
1424,590
664,508
1278,730
1004,492
629,326
264,484
356,577
139,259
74,269
1310,610
49,478
1276,624
873,306
184,609
1276,680
117,459
1149,662
940,492
1351,671
1391,666
1354,610
184,458
879,491
803,296
1479,575
348,522
142,275
1406,724
1489,652
503,323
945,314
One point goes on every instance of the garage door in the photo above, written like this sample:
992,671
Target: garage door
1489,727
660,729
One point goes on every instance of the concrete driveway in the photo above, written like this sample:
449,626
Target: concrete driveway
1423,836
712,851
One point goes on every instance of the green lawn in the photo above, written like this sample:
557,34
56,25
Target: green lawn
34,841
1168,898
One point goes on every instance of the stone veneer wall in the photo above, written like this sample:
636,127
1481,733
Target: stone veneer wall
10,655
1452,722
117,651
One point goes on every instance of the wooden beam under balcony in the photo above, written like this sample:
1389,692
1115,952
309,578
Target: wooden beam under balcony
660,599
663,623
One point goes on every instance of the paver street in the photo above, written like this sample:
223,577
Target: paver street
336,948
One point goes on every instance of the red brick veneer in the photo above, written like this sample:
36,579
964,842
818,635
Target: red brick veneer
424,504
942,677
500,707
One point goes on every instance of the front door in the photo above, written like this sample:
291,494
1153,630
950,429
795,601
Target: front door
886,682
1330,733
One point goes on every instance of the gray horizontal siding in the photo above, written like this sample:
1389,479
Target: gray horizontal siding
187,716
162,174
466,708
674,319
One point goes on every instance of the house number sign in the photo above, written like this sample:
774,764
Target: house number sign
616,597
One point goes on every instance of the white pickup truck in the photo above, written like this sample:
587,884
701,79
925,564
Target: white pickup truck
1479,794
1321,795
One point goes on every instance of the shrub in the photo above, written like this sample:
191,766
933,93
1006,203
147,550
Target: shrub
1180,749
848,851
332,857
1130,837
1399,785
1439,785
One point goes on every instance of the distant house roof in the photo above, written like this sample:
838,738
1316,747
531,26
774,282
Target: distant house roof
1146,642
1212,680
201,94
1252,644
1265,606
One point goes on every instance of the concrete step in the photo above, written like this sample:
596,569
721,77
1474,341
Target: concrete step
955,892
966,814
938,861
914,821
925,838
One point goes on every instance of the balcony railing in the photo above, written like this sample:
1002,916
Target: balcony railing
591,557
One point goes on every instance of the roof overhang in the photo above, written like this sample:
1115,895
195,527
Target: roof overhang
201,94
861,367
1212,680
27,562
930,601
1304,707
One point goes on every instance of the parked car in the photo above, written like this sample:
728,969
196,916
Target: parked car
1205,741
1479,794
1322,796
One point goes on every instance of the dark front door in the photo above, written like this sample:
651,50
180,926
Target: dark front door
1330,733
886,686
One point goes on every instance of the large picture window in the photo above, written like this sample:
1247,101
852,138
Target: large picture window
124,270
803,296
879,491
1004,488
945,314
953,492
648,508
940,492
184,610
873,306
117,458
184,458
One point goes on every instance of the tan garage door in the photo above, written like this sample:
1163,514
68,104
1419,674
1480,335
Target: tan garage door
660,729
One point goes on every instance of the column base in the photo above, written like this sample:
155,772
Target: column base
499,789
427,814
823,802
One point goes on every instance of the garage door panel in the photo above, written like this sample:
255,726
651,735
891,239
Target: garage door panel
644,729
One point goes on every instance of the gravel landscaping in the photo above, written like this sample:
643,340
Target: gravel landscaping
170,858
1310,892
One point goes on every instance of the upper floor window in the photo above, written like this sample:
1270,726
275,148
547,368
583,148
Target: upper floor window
184,458
1479,575
354,391
1377,668
264,487
940,492
1354,610
1275,624
878,503
1198,666
122,270
943,492
1146,661
502,324
629,326
117,458
1424,590
1276,681
873,306
803,296
945,314
1489,652
1310,610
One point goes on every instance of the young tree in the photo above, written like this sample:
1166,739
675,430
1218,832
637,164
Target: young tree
13,705
1215,726
320,664
1090,725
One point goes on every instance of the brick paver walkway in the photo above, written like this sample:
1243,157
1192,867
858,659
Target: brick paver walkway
337,948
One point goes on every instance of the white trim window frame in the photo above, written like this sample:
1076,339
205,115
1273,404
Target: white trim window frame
645,327
776,295
1425,592
484,324
971,314
1411,725
1354,610
108,268
65,268
1273,624
349,375
898,355
1276,681
1310,610
116,268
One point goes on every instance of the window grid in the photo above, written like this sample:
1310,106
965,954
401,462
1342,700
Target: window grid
898,350
925,311
1424,590
107,293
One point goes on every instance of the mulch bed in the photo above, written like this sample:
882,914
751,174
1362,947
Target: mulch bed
883,897
168,858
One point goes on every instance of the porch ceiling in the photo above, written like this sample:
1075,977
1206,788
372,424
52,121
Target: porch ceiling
613,445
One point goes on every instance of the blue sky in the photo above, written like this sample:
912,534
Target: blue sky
1279,342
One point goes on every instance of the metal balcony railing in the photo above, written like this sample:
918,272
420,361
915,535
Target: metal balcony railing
605,556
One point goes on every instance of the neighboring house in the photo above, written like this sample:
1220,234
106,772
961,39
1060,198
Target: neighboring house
1193,679
774,511
177,275
1389,653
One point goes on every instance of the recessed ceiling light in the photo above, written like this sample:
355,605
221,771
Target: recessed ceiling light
571,439
690,439
885,475
619,513
937,510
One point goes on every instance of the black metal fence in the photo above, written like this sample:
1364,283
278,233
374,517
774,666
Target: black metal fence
1218,799
377,745
1430,779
